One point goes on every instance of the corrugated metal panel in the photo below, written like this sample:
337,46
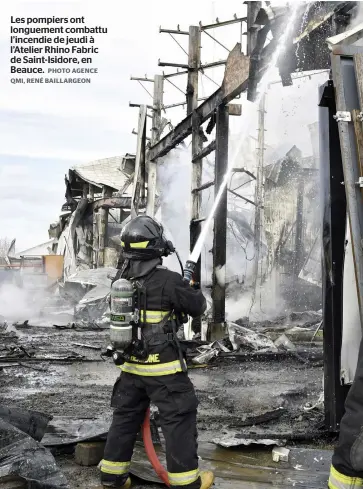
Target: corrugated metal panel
102,172
39,250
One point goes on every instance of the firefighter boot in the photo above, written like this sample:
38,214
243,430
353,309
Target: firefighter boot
112,485
207,478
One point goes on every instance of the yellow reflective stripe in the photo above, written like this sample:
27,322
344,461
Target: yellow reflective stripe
115,464
122,243
142,244
331,485
183,478
154,315
341,481
116,468
150,370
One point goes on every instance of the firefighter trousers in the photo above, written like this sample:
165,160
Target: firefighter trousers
347,462
177,403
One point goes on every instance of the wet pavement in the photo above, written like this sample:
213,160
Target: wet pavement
237,400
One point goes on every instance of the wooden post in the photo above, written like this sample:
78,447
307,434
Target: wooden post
155,137
95,240
217,329
252,11
102,227
197,145
91,191
299,226
258,196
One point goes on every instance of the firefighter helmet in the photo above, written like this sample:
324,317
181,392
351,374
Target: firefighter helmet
143,239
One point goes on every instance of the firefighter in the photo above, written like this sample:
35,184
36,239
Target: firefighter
346,471
161,377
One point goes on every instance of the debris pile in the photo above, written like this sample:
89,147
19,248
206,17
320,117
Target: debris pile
298,334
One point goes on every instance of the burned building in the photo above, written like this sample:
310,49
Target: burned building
292,223
98,201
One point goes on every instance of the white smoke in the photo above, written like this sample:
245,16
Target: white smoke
20,304
174,184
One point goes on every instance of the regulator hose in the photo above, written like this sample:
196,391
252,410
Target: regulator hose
150,450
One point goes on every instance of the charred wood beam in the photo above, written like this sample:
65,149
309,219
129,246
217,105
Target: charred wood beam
243,170
341,8
205,151
102,228
115,203
220,227
255,62
333,230
235,81
252,10
203,187
235,109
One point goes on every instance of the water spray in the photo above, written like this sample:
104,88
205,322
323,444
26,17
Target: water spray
263,86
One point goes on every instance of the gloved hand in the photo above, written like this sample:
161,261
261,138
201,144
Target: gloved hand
188,271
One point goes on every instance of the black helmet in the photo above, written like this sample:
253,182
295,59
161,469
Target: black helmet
143,239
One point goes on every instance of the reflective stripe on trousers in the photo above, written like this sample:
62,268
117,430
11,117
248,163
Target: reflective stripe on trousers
183,478
340,481
150,370
115,468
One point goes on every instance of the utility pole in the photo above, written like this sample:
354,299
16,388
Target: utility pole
258,195
155,137
138,190
197,144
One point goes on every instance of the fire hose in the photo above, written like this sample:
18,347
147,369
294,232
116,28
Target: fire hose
150,450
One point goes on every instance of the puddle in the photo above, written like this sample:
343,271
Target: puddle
99,373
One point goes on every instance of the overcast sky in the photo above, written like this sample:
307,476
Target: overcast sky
46,129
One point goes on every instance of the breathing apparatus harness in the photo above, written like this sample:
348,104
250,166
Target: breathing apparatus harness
129,325
128,322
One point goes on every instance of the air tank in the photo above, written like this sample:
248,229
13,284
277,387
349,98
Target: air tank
121,314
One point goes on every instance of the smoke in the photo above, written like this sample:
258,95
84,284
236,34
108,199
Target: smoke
174,184
20,304
268,302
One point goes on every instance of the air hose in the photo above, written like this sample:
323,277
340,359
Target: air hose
150,450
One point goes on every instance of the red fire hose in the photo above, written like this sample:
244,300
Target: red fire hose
150,450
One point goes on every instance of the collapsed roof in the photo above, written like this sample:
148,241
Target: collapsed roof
107,171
